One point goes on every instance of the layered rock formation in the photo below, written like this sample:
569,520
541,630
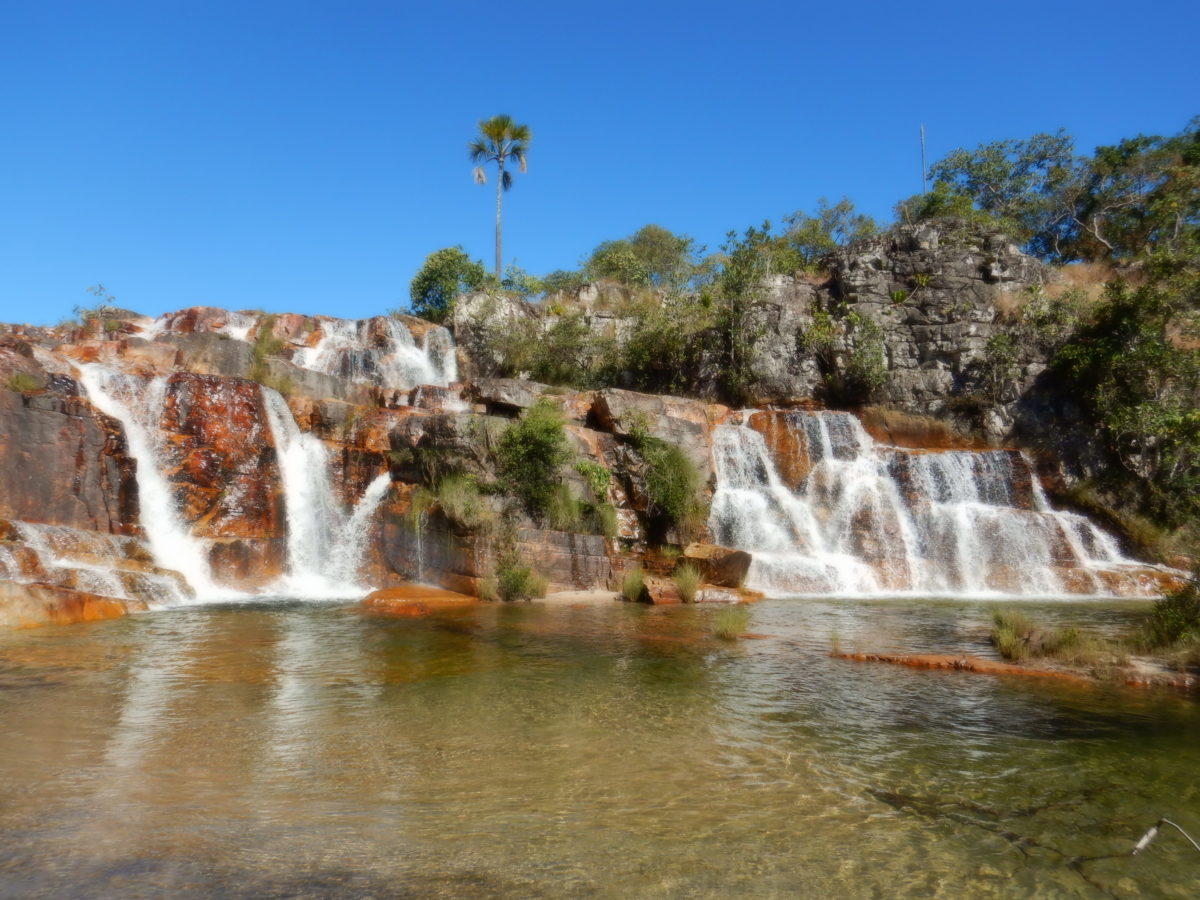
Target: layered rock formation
294,454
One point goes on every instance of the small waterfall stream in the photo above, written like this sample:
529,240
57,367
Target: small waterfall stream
325,545
137,403
869,519
347,349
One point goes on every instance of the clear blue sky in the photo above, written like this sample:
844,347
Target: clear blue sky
306,156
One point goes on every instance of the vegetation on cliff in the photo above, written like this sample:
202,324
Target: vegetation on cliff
1116,339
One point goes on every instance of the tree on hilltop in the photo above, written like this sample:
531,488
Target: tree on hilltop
499,140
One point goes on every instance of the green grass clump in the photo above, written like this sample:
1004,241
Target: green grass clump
563,511
1009,630
1016,638
632,584
23,383
604,519
517,581
488,589
464,505
730,623
687,582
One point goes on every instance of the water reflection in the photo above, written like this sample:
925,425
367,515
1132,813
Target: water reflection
514,751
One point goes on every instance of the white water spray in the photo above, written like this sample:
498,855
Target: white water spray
137,403
325,545
869,519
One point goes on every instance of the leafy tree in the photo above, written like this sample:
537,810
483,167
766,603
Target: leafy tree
1135,369
813,237
444,275
521,282
1014,180
617,261
736,296
500,139
1138,194
650,257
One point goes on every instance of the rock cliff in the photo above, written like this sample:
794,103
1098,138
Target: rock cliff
295,454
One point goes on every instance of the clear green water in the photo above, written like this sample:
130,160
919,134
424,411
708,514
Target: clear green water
293,750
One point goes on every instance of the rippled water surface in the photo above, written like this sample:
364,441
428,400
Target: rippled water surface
308,750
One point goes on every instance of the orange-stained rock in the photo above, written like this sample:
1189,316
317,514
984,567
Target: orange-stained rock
31,605
221,458
787,445
718,566
900,429
415,600
958,664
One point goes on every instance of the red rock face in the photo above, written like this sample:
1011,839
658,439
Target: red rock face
64,462
787,446
221,458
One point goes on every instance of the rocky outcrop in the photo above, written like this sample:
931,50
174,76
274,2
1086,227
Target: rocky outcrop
718,566
64,462
51,574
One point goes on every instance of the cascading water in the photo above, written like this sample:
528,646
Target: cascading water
349,349
866,519
88,561
137,403
325,545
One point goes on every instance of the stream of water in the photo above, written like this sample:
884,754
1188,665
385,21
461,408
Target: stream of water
293,749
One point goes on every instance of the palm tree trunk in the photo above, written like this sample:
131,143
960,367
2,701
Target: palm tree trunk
499,189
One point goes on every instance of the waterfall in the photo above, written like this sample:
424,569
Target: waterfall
137,403
89,561
867,519
325,545
368,352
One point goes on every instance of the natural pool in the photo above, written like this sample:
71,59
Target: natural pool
305,750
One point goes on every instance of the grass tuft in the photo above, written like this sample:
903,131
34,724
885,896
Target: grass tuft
632,584
730,623
687,582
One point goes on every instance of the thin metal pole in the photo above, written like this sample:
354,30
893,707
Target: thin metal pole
924,187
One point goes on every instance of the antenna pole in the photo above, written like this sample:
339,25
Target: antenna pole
924,187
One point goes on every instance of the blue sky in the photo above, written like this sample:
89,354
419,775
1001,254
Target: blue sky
306,156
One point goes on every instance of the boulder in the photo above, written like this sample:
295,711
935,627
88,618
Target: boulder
659,591
686,424
719,566
31,605
415,600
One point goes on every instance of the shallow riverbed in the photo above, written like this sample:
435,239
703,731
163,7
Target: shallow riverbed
294,749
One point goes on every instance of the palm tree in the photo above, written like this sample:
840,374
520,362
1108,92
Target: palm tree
499,139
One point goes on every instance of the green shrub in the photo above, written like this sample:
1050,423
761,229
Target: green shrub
517,581
464,505
730,623
530,455
596,476
672,482
444,275
687,582
265,346
1175,617
23,383
632,584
